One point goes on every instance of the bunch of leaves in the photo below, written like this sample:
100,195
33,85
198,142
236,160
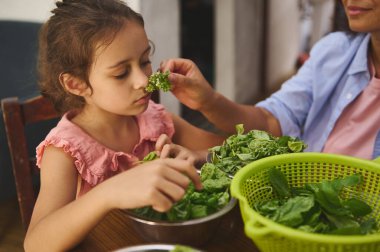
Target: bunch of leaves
159,81
241,149
196,204
319,207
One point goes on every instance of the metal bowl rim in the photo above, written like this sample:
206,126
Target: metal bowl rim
155,246
215,215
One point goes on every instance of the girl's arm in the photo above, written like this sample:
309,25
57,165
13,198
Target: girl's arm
59,222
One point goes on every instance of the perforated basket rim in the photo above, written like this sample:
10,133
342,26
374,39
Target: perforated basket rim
294,234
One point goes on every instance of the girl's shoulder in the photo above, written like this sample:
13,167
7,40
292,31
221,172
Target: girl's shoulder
156,120
68,135
94,161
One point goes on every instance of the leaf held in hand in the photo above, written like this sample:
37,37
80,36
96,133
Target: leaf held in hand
159,81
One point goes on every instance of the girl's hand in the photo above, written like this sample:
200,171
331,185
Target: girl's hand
189,85
161,141
166,149
158,183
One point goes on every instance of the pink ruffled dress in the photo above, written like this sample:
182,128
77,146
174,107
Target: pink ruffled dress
94,161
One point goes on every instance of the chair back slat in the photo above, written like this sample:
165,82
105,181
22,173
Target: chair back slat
16,115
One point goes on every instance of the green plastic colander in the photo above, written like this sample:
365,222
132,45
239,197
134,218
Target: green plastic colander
251,184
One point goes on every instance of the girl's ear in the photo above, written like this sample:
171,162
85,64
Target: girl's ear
73,84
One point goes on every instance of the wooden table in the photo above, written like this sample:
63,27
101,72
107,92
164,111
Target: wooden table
116,231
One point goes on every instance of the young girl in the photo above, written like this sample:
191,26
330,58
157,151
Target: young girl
94,65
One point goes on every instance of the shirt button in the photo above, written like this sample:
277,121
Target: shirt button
349,96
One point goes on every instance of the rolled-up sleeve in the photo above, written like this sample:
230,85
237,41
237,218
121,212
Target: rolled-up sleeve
291,104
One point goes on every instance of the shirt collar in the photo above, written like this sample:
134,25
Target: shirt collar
360,61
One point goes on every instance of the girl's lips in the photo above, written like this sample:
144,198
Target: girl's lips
354,10
143,100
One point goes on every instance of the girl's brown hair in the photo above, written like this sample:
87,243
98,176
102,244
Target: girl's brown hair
68,40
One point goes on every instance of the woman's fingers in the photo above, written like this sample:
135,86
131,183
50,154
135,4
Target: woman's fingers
178,65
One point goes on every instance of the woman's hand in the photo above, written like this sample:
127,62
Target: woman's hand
189,85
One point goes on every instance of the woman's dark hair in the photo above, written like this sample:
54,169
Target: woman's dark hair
68,40
340,19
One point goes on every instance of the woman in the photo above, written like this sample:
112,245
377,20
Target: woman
331,103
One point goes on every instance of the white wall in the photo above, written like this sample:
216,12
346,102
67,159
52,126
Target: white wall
239,29
26,10
285,33
162,25
282,41
37,10
323,11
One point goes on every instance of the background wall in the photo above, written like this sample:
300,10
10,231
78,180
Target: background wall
256,44
282,41
26,10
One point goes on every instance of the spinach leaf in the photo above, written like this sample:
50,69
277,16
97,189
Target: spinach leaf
279,182
151,156
242,148
357,207
317,207
196,204
291,212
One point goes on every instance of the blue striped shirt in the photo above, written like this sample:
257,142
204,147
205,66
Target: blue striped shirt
309,104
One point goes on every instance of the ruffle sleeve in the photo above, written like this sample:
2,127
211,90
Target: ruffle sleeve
79,159
94,162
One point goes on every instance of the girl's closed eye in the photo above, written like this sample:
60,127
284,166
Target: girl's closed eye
146,63
122,75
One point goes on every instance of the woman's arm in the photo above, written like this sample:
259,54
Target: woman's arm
192,89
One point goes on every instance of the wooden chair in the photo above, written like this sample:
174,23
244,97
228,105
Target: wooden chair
17,115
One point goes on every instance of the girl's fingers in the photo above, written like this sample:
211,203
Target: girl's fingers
179,178
161,202
172,190
166,151
186,167
161,141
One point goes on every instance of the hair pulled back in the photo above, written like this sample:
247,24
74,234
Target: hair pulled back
68,40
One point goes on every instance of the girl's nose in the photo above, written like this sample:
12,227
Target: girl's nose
141,80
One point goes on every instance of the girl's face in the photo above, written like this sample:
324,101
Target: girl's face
120,73
363,15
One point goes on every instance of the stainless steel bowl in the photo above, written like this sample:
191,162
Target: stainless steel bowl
152,248
191,232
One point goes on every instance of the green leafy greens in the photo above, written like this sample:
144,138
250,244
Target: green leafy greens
195,204
319,207
240,149
159,81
